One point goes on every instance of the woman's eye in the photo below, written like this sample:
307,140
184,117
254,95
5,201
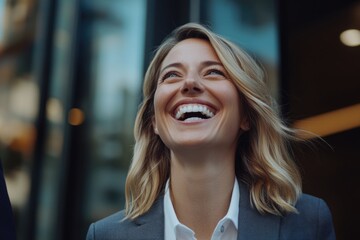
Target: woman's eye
215,72
170,75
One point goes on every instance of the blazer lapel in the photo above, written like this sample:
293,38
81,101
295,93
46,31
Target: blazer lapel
150,226
252,224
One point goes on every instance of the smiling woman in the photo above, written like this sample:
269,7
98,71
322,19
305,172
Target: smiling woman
211,159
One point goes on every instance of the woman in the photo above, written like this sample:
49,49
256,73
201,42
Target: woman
211,156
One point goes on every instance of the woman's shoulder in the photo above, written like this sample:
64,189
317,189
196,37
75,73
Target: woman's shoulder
115,218
309,207
313,216
108,227
150,225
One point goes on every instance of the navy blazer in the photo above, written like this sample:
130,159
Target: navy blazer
7,226
314,221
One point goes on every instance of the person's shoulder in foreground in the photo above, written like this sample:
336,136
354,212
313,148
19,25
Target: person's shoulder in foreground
7,225
313,221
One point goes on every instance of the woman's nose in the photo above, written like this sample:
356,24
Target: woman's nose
191,86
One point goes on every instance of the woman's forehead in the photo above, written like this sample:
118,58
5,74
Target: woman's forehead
190,50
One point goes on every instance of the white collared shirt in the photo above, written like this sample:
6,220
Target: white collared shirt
225,229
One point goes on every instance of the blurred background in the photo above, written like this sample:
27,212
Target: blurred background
70,83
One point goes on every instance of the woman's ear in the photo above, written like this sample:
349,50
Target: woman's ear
245,126
154,126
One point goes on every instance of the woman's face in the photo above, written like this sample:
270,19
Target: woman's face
196,104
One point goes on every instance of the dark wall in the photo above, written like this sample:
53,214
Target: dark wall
320,74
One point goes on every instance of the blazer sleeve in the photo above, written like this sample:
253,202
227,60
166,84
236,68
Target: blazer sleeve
325,224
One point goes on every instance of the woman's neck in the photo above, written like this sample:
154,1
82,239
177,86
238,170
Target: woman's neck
201,187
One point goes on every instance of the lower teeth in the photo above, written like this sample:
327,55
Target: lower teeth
192,119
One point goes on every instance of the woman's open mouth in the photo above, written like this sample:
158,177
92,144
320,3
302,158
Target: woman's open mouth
193,112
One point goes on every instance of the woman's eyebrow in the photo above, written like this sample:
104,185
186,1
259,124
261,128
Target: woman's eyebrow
203,64
211,63
176,64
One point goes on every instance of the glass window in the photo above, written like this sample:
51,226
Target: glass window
96,76
51,184
253,26
116,72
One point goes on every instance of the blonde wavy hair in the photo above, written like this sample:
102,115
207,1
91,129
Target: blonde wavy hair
263,159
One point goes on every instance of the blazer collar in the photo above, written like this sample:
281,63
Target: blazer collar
252,224
150,226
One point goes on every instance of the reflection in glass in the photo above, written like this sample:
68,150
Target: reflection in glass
117,48
253,26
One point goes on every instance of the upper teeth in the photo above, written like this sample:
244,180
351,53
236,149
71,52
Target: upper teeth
194,108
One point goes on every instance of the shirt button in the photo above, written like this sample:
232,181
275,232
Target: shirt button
222,229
